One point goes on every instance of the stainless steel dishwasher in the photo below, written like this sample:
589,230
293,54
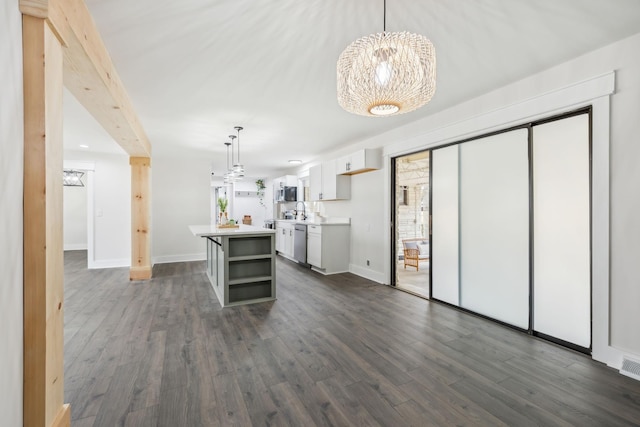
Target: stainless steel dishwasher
300,243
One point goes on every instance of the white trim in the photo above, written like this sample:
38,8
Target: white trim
164,259
89,167
595,92
91,253
75,247
367,273
110,263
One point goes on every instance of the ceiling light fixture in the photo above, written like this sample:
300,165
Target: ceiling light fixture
229,176
295,162
72,178
386,73
238,168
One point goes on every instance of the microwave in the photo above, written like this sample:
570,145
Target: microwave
287,194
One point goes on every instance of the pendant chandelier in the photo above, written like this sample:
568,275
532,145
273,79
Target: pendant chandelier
229,176
235,169
72,178
238,168
386,73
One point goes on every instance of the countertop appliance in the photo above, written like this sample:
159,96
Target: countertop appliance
287,194
270,223
300,243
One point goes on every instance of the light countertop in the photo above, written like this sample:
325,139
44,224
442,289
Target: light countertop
213,230
325,221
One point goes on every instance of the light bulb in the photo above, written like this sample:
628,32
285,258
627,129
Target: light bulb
384,72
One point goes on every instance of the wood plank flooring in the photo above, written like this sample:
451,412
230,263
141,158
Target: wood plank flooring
331,351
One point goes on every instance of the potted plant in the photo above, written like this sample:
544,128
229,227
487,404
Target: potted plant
222,204
260,185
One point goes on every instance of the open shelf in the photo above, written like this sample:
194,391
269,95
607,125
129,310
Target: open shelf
250,291
249,268
249,257
249,246
248,280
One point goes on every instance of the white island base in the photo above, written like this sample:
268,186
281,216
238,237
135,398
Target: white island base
240,263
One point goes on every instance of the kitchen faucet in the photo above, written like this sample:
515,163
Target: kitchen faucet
304,209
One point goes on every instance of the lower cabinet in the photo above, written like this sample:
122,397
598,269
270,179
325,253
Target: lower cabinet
242,268
284,238
328,248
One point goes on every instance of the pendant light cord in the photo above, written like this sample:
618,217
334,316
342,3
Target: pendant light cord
384,18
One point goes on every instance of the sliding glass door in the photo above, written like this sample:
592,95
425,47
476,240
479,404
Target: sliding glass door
494,227
411,223
511,228
561,267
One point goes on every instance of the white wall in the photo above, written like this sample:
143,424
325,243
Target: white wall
11,160
624,179
112,207
181,196
243,205
75,216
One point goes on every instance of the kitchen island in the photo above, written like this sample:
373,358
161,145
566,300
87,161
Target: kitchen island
240,263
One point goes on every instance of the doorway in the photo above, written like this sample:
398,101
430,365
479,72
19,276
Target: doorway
411,218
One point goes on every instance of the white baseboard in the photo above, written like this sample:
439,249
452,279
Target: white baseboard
75,246
164,259
109,263
368,273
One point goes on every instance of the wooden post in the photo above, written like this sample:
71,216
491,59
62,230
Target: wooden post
43,253
140,218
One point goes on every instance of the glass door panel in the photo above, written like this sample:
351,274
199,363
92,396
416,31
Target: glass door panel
562,273
412,223
494,227
445,249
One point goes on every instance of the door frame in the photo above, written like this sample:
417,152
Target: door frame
393,238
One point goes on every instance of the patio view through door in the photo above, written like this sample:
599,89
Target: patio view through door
411,213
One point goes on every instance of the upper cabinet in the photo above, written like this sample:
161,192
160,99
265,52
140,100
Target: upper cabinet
364,160
326,184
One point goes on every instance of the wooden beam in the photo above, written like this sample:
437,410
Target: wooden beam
89,72
42,248
140,218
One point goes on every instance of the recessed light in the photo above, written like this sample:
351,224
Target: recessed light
84,146
295,162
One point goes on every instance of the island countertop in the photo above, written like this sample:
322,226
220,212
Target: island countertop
212,230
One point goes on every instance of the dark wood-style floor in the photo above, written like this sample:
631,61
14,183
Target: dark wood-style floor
336,350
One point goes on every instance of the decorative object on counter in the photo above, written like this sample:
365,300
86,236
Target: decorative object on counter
386,73
228,226
72,178
246,220
260,186
222,204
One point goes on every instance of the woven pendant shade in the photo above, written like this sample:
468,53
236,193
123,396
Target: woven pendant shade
386,73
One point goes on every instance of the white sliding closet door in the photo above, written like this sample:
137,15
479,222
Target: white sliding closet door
494,227
562,274
444,211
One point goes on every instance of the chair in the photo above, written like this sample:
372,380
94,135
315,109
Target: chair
415,250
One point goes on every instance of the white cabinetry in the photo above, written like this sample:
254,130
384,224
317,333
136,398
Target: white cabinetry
364,160
284,238
325,184
328,248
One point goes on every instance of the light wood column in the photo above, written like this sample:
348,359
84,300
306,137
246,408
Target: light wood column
43,245
140,218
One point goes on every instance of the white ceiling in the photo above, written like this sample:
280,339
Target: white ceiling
194,69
